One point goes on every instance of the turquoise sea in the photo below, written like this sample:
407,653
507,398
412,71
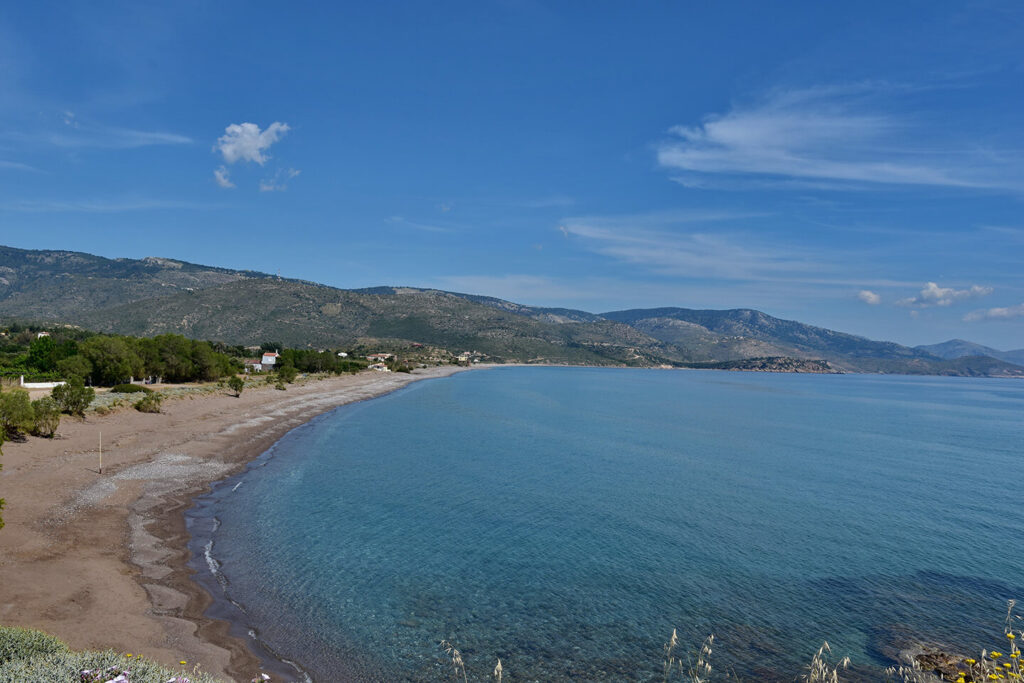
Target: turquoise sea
567,519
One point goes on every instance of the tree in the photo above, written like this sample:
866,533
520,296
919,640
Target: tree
236,384
74,366
113,359
16,412
42,354
46,414
74,397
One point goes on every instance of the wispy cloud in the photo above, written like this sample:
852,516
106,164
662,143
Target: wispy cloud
553,201
16,166
869,297
94,206
680,244
77,134
1006,313
246,142
416,225
836,135
279,181
933,295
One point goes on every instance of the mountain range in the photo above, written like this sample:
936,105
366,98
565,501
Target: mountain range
157,295
958,348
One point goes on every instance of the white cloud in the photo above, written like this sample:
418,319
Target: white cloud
827,134
278,183
1006,313
222,177
933,295
246,142
869,297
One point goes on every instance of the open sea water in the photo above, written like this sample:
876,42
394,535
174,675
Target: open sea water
567,519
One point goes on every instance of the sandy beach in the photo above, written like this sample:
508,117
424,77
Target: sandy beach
99,559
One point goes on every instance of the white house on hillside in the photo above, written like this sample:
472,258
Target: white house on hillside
270,358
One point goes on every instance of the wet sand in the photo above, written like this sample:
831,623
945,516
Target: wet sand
99,560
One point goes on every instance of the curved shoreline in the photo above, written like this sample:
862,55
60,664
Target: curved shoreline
101,560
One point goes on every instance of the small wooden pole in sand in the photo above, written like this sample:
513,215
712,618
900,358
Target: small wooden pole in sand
101,452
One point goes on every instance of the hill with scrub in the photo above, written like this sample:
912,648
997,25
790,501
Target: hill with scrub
151,296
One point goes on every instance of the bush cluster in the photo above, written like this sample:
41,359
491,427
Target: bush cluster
73,397
150,403
19,415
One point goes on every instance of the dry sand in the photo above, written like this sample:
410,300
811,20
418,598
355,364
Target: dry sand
99,560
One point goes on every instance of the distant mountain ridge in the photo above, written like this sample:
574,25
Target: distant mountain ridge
156,295
959,348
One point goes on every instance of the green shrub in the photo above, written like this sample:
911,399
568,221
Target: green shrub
16,412
150,403
74,397
25,643
130,389
236,384
46,415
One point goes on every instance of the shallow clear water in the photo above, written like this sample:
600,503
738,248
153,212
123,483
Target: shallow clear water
566,519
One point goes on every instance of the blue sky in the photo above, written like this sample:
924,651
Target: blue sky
852,165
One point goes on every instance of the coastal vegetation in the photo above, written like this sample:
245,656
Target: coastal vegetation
30,655
86,359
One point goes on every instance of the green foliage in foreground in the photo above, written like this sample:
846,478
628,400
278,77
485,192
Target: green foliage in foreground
29,655
236,384
24,643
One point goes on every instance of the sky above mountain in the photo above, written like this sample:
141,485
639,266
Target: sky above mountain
853,165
